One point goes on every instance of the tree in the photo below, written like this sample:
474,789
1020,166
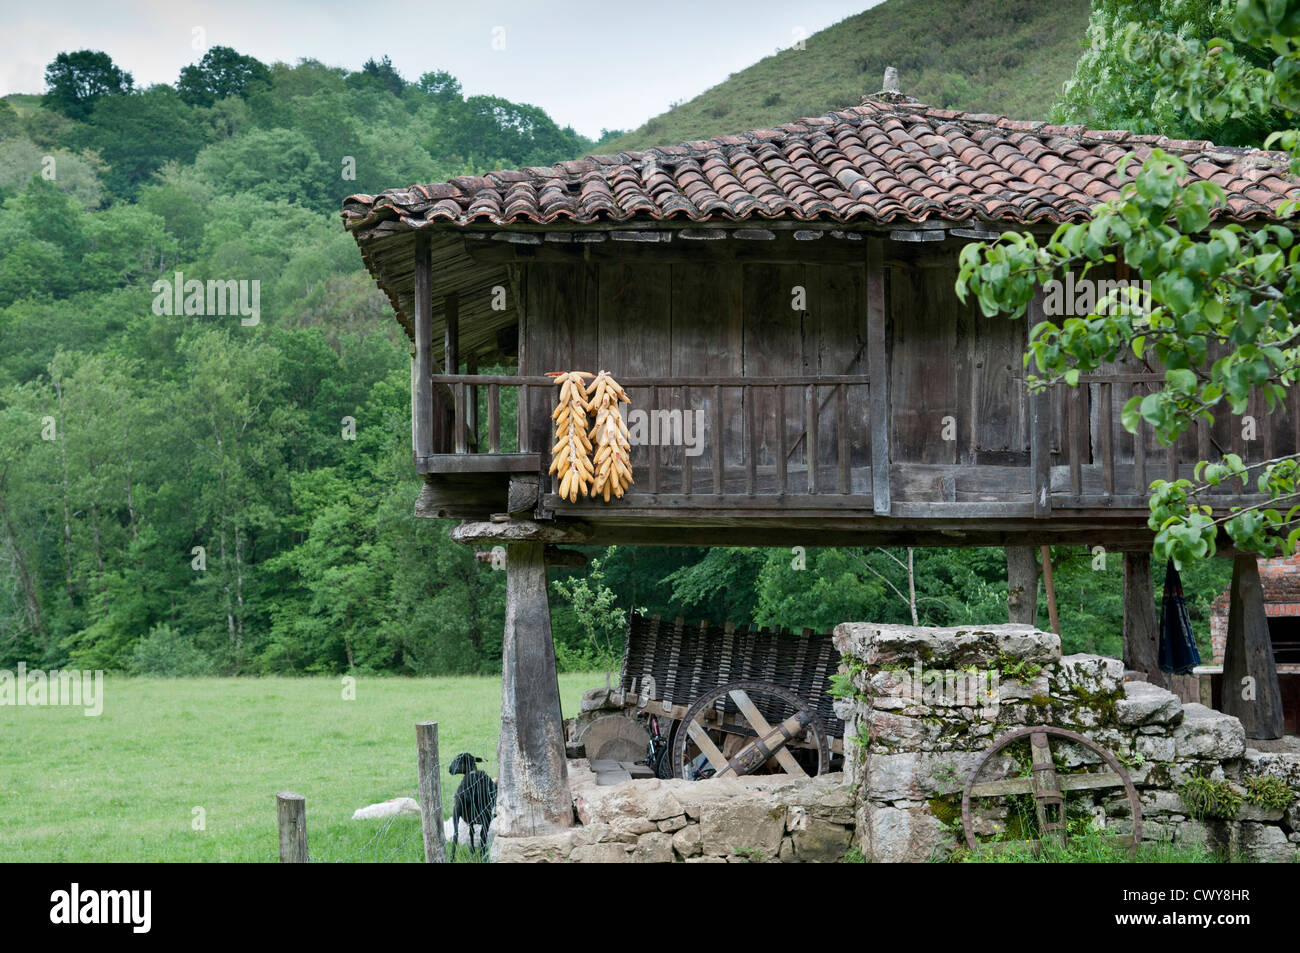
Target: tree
222,72
378,74
1226,289
137,134
76,81
1113,89
440,85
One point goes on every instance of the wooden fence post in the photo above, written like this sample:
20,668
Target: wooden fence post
430,791
291,810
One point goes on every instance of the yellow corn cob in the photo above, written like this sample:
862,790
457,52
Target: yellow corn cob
570,457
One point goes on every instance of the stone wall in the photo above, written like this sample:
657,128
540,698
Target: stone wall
909,748
768,818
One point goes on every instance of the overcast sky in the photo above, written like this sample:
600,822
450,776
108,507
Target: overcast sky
612,64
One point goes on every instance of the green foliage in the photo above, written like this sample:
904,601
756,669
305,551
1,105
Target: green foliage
168,653
1014,56
76,81
1205,798
1089,846
1121,80
601,622
1230,286
221,73
1270,793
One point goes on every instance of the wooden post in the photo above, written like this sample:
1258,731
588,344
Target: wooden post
1040,433
1250,686
1050,588
291,811
878,375
1022,585
430,791
454,420
533,787
1141,630
422,365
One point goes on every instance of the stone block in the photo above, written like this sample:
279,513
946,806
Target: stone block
615,853
897,835
1086,676
745,825
1265,843
656,848
820,842
1205,733
918,775
686,842
1147,704
545,849
946,647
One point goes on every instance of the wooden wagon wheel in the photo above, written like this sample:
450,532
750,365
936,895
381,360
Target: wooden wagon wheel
1048,787
710,727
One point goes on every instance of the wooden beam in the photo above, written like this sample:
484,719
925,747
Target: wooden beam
1250,687
422,364
878,371
1022,585
1049,588
1141,631
533,786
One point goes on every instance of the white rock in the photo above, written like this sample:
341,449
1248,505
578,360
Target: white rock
1147,704
389,808
1206,733
950,647
1092,673
449,831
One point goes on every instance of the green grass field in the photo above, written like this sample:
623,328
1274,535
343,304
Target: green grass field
124,786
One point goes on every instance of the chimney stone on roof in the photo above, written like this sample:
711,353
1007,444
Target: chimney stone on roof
890,93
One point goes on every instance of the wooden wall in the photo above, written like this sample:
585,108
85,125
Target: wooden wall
676,320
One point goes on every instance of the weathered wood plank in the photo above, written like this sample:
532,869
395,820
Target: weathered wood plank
494,418
1141,632
533,787
1250,686
291,815
878,370
429,786
1022,585
423,366
810,428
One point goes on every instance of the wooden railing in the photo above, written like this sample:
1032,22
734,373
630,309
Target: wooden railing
1089,459
795,438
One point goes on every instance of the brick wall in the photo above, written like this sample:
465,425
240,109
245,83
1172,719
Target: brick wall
1281,581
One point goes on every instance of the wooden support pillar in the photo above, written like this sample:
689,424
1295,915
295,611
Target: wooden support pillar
1141,630
878,373
1049,589
1250,686
533,784
422,410
1022,584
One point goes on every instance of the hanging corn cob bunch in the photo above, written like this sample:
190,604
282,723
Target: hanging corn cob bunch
571,455
613,465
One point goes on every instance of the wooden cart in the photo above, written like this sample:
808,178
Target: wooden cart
738,700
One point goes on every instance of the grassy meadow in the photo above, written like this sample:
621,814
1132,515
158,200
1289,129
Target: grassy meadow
124,786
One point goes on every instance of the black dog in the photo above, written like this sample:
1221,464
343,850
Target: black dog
475,801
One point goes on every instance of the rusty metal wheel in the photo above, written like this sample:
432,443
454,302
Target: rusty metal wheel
728,732
1047,787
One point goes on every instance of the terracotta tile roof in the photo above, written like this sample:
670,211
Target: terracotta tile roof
879,162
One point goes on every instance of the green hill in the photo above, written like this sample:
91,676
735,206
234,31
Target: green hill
1003,56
